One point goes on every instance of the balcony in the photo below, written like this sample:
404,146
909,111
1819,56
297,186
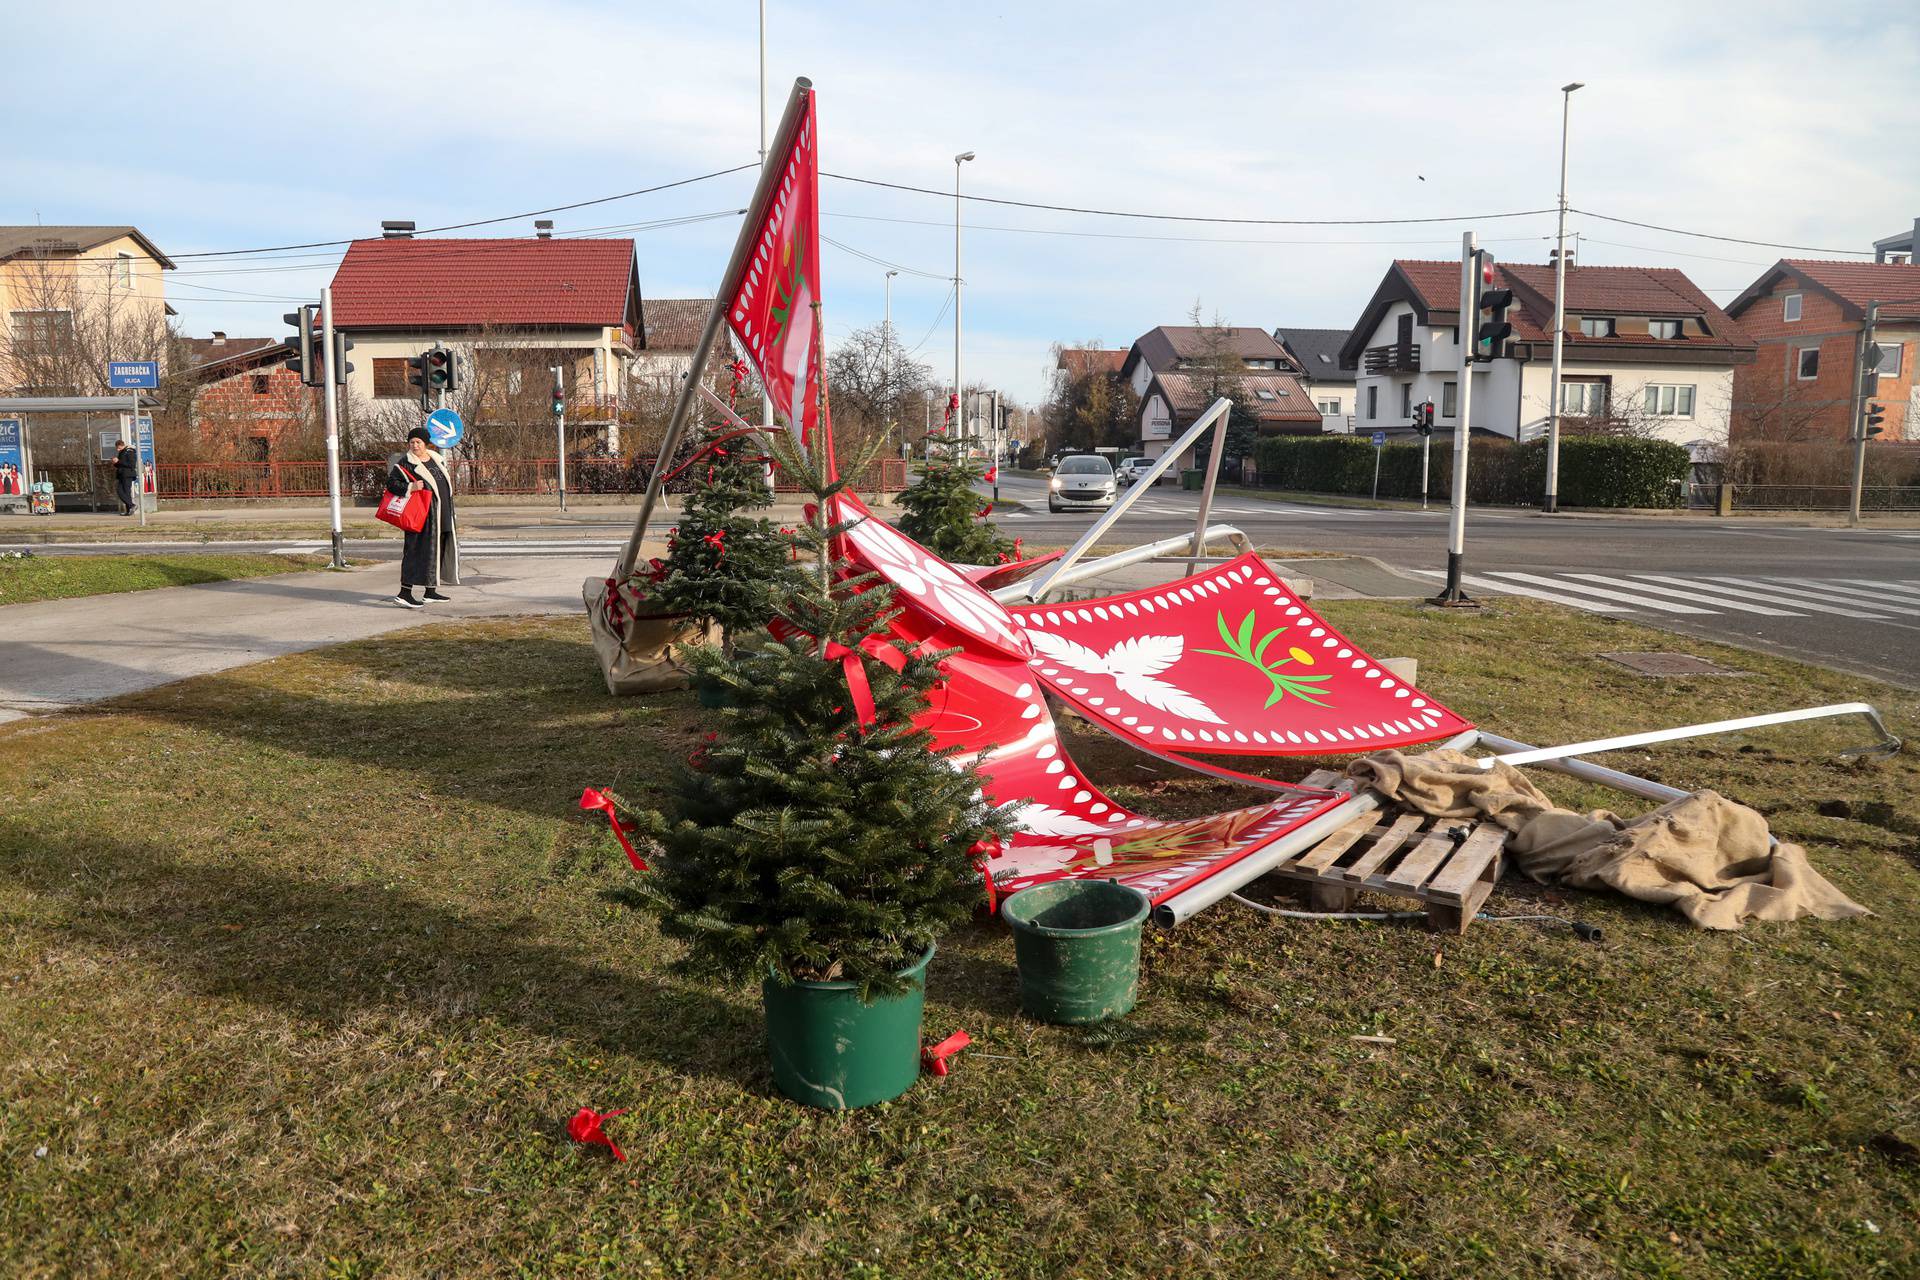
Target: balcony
1395,357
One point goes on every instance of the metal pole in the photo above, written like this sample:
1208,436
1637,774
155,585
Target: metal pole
959,387
140,488
766,400
1378,449
1552,499
1426,453
1863,394
330,405
886,360
1457,522
1214,457
996,446
560,426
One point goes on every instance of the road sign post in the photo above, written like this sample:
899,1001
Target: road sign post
1379,447
330,402
1453,594
137,376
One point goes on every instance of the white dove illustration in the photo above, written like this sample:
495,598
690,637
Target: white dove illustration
1134,666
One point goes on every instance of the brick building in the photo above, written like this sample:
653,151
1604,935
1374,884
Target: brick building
1808,317
246,400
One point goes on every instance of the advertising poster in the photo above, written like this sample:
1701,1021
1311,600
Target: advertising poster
13,459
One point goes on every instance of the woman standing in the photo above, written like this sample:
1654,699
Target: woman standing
431,557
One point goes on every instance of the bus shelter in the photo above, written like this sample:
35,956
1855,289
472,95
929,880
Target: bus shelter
70,441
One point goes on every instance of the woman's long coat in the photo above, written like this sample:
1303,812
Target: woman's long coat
431,557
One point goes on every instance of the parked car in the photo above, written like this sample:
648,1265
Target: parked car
1132,469
1082,482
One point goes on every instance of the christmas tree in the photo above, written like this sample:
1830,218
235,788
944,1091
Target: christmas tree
947,517
723,566
817,836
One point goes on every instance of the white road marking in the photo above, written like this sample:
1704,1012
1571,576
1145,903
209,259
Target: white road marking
1510,589
1636,600
1806,599
1686,590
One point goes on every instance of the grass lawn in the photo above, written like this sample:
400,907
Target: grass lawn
62,577
304,966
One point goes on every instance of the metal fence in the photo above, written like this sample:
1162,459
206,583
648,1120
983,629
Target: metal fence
362,479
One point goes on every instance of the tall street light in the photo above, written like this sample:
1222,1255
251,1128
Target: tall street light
959,387
886,359
1559,311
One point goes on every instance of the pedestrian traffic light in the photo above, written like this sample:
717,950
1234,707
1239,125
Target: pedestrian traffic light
1876,414
559,396
341,365
1490,338
438,368
301,360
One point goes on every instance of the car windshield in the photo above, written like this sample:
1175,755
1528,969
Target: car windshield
1085,466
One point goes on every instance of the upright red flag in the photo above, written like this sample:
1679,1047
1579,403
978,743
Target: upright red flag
771,307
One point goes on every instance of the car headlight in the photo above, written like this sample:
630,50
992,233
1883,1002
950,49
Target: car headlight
1055,482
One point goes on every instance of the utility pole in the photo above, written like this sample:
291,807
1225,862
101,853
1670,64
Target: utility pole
1865,383
1552,499
886,359
766,400
560,425
959,387
330,400
1469,329
995,464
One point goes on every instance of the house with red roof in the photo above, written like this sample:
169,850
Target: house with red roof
1809,319
1644,350
510,308
1170,369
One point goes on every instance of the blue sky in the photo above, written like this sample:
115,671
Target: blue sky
1771,121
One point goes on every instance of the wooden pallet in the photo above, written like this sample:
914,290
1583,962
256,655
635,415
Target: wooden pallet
1448,865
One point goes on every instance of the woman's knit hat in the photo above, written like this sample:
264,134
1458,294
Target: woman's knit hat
421,434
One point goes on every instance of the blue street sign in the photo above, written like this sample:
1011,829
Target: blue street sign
445,427
1379,438
133,375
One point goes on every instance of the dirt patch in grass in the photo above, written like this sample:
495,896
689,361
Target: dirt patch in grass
43,577
304,965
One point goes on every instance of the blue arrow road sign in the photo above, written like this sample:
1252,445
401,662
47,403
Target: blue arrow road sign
1379,438
445,427
133,375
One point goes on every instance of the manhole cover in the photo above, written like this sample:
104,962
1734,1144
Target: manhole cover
1670,664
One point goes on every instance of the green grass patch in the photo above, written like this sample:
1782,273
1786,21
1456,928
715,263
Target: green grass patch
304,965
43,577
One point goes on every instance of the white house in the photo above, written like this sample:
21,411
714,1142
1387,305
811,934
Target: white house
1317,352
1643,346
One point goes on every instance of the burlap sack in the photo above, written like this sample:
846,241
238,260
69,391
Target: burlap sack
648,655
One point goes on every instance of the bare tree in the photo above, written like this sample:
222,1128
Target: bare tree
872,380
70,318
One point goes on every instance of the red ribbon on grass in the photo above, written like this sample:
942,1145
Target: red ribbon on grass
593,799
934,1057
584,1127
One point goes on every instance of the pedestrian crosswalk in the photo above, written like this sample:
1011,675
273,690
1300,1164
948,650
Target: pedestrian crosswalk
1699,595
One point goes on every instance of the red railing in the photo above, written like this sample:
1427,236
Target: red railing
361,480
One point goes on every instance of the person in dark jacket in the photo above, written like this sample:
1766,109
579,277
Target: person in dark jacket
429,559
126,474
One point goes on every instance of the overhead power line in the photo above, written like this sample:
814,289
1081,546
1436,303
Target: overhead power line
882,262
1705,235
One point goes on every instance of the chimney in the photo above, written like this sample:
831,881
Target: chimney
395,230
1554,254
543,228
219,338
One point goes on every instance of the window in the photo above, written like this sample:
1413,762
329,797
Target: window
1330,406
1669,400
390,379
1663,328
123,270
1596,326
1373,403
1262,393
1890,353
1262,364
260,384
1809,363
41,332
1450,400
1583,399
1406,399
1790,307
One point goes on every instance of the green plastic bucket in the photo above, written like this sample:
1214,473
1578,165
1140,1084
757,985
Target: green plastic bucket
1077,943
828,1050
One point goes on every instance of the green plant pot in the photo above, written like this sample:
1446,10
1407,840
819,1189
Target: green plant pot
1077,944
829,1050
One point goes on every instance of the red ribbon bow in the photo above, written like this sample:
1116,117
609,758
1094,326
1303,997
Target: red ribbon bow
716,539
593,799
585,1127
983,852
934,1057
986,511
857,684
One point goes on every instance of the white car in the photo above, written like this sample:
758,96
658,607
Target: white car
1132,469
1083,482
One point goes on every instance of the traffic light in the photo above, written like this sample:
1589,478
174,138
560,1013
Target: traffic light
341,366
559,396
1494,330
417,375
1423,418
1876,414
301,360
439,369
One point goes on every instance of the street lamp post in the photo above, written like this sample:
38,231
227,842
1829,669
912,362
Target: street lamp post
886,358
959,387
1552,499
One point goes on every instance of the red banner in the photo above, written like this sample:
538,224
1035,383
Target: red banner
771,308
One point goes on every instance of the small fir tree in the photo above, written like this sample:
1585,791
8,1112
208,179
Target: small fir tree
801,841
948,517
723,565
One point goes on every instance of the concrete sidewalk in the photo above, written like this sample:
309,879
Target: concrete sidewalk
62,653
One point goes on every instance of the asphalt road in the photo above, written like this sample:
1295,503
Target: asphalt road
1841,598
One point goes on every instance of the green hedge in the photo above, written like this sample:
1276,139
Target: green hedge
1595,471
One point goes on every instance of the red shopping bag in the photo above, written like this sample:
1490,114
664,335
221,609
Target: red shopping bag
406,510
